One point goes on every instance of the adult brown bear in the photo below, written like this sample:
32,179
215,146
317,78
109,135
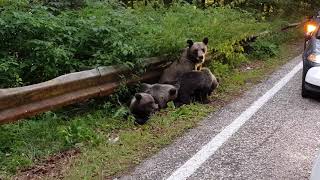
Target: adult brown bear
191,59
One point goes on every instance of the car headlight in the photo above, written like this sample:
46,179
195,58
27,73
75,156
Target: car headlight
311,28
314,58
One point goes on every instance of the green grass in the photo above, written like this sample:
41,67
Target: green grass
25,142
136,143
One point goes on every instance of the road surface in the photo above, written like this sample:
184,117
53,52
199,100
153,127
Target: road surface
271,132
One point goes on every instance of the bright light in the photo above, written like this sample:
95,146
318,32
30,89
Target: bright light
311,28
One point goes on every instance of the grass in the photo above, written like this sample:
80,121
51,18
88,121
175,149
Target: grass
109,142
136,143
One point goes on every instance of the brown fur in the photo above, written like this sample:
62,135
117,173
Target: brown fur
162,93
191,59
142,106
196,85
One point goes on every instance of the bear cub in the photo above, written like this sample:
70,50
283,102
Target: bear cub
162,93
191,59
196,85
142,106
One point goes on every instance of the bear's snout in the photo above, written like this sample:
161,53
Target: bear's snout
200,59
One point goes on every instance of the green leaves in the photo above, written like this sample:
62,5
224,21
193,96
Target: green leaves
267,8
264,49
9,72
46,44
78,132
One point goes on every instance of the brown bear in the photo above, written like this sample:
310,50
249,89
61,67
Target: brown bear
196,85
192,57
142,106
162,93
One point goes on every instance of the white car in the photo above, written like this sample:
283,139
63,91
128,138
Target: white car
311,59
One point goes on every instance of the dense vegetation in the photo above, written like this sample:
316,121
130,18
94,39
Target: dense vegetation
44,39
273,7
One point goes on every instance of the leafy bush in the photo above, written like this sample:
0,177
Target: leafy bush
78,132
220,70
10,71
264,49
268,46
43,44
272,7
65,3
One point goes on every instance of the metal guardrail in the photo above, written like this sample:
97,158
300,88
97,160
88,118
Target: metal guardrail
22,102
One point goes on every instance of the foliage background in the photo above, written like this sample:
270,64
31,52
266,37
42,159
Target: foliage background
41,40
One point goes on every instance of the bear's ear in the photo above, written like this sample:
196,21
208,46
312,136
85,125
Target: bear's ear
145,86
172,91
205,41
138,96
190,43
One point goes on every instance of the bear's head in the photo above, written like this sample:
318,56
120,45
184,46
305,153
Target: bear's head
198,50
162,93
142,106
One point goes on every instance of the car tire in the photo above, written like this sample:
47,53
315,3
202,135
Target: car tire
304,92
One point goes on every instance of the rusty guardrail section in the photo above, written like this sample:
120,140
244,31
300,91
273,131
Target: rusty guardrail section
22,102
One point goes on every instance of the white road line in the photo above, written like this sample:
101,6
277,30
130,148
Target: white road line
216,142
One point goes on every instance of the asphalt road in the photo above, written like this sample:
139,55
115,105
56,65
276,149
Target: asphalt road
280,140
